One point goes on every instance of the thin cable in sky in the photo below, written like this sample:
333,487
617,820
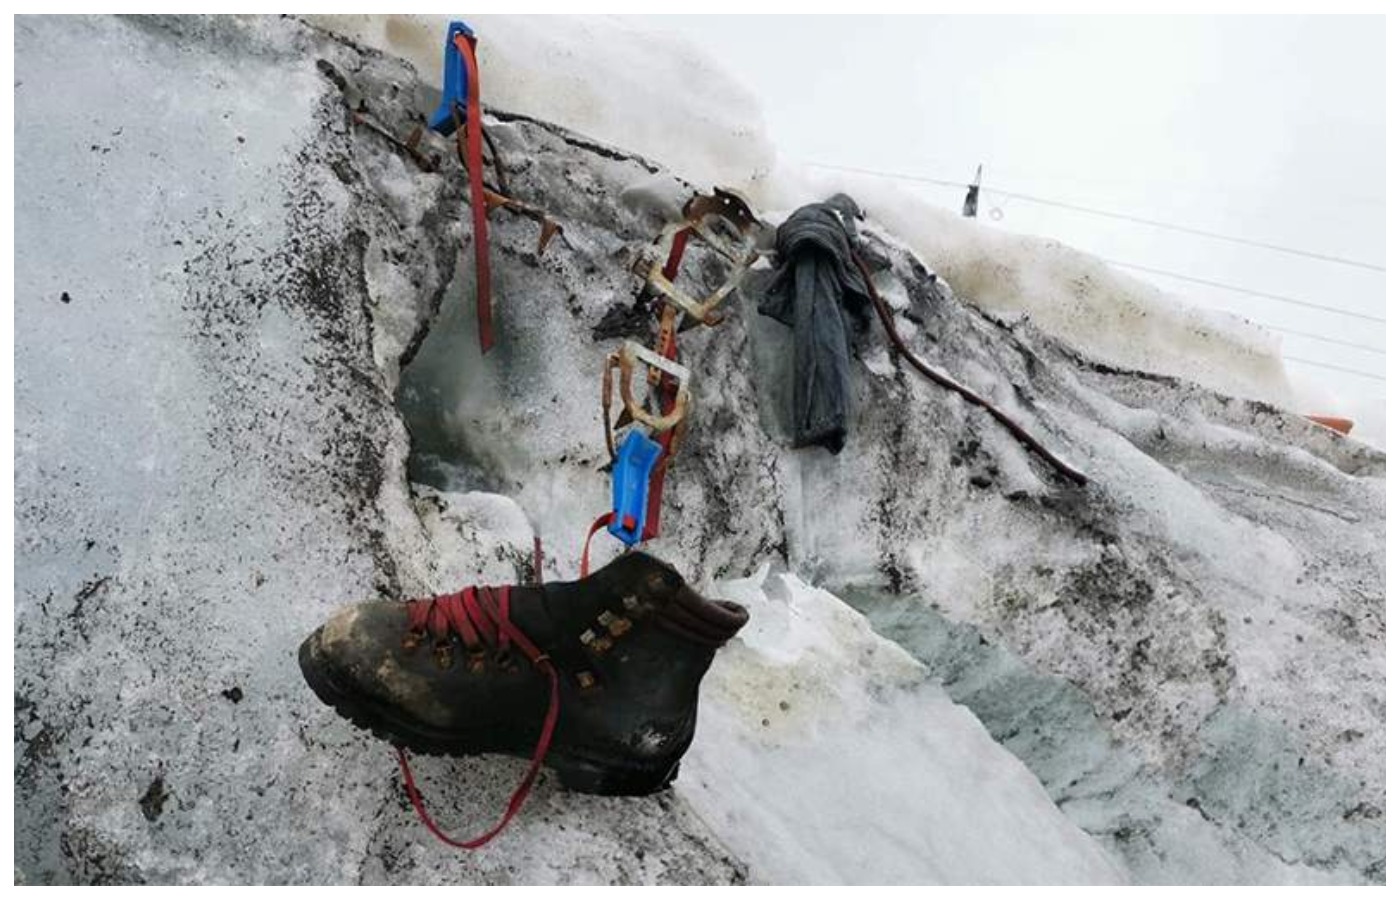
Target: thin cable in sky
1317,337
1244,290
1313,362
961,185
1169,226
1263,245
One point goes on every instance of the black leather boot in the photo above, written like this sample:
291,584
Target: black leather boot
475,672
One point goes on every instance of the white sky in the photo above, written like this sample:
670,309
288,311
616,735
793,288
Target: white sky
1268,128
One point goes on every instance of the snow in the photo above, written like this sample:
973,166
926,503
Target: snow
1175,674
602,76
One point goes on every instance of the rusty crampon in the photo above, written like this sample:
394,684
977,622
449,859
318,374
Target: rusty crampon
498,195
724,223
726,226
495,196
625,361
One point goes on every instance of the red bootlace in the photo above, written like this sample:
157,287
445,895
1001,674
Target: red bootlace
474,614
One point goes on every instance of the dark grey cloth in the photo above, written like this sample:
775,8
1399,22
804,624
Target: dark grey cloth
818,292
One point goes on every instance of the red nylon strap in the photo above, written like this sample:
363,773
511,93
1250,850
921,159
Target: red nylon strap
673,262
652,527
466,47
441,614
502,620
598,524
473,603
483,605
669,271
507,628
517,799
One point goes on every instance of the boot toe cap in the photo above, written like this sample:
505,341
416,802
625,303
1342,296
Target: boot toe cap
357,659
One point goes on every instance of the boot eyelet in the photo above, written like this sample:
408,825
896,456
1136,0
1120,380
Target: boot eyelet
504,659
588,637
442,654
412,640
630,603
620,626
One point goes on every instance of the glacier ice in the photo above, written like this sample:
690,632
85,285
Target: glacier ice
264,400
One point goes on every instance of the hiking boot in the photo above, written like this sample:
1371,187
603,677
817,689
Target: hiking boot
471,672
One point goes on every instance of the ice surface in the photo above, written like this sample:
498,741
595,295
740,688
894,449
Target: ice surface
828,755
213,454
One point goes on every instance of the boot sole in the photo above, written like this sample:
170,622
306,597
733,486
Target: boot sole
576,772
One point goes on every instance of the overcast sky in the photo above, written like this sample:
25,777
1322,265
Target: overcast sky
1271,129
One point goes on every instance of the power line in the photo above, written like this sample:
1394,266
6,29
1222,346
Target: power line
960,185
1244,290
1313,362
1279,248
1318,337
1169,226
1176,185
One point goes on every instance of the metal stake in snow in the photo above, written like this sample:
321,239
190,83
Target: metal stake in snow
973,190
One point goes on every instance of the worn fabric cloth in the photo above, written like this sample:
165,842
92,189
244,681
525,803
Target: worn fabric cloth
818,292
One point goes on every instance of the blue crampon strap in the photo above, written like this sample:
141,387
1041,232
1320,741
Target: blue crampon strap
454,82
631,481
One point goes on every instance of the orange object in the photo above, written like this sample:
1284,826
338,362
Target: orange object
1336,423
